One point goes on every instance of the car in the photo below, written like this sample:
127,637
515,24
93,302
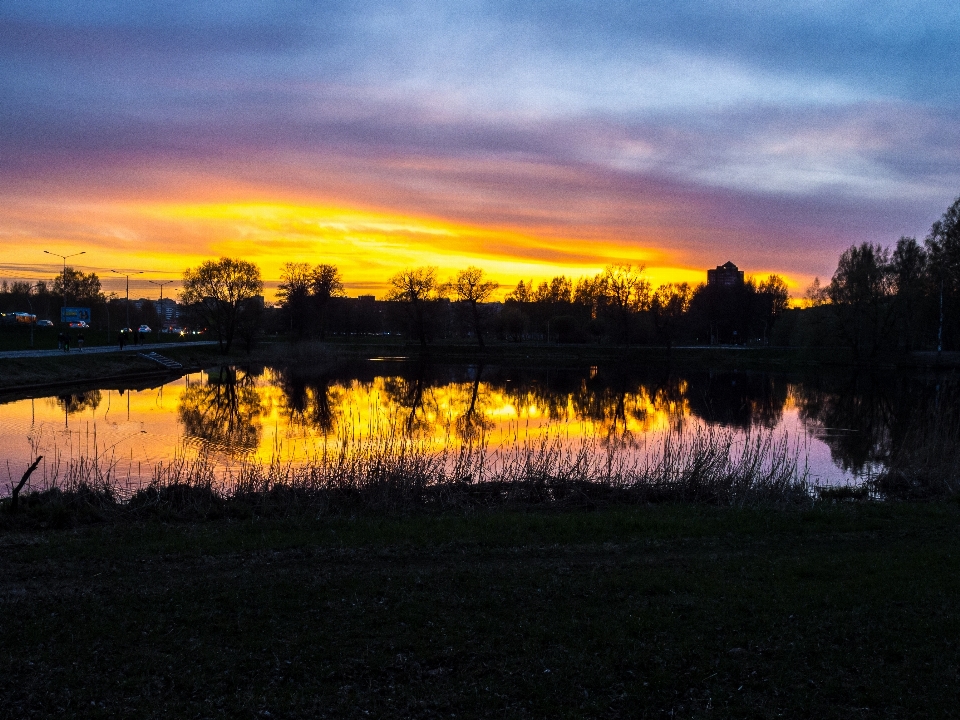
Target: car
79,324
144,329
44,323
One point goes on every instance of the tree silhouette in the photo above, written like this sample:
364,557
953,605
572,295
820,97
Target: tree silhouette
470,286
325,284
294,294
943,246
669,304
78,287
219,291
909,268
628,293
415,287
860,295
774,299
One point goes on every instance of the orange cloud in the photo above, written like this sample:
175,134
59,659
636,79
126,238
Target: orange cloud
371,217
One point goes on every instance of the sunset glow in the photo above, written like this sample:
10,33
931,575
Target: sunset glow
530,141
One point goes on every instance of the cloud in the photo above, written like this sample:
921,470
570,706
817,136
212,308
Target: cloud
557,132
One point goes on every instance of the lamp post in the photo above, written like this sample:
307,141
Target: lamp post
30,303
82,252
160,313
127,301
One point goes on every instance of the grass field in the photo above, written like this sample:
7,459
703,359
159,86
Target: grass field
834,611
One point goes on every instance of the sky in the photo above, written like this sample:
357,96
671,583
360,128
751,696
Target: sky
528,138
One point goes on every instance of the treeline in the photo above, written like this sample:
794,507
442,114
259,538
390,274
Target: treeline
618,306
902,298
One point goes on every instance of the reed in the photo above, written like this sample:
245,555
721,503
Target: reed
389,471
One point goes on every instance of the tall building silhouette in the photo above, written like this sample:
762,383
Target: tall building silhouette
726,275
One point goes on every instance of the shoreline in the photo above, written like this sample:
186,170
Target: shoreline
19,373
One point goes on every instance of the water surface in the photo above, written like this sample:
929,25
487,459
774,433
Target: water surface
840,427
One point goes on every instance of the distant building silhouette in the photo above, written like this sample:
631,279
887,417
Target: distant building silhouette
168,310
726,275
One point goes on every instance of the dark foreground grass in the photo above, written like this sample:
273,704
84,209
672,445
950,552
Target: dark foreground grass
845,611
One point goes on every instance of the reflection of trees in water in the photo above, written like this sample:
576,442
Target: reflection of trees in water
738,399
862,417
78,402
473,422
667,394
224,411
408,393
549,391
615,399
610,405
310,401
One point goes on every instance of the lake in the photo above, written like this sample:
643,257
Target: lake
840,427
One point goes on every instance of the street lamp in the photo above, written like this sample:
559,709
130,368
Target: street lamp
82,252
160,313
30,303
127,302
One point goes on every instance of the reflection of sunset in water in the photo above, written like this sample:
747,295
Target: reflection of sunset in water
232,416
445,416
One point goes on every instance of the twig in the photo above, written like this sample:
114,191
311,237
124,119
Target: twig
15,495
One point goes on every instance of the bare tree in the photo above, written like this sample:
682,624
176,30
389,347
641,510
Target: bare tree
627,292
294,293
816,295
668,305
558,291
470,286
325,283
774,299
522,294
415,287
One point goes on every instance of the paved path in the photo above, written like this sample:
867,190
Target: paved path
102,349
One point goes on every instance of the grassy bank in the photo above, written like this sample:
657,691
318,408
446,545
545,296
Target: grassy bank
388,471
18,373
82,369
77,368
834,611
